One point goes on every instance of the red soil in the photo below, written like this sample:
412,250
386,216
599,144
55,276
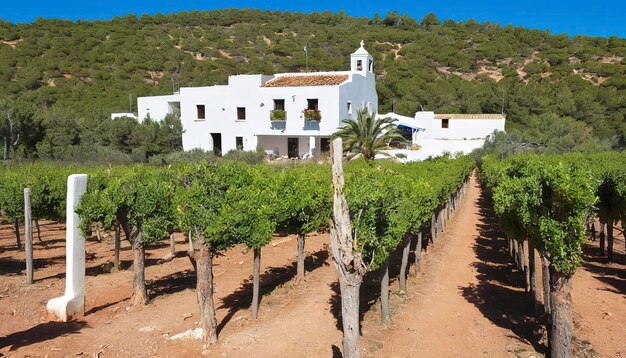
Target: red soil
468,301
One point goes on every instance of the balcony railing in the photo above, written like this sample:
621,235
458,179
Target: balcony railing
278,115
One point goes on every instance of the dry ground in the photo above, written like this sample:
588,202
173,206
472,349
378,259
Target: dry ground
467,301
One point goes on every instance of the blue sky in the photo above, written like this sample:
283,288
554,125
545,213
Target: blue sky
590,17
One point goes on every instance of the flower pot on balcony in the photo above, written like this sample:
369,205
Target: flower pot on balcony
312,115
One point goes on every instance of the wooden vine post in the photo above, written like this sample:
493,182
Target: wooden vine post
205,290
418,252
300,261
16,225
545,282
532,275
28,233
406,246
348,262
602,237
256,271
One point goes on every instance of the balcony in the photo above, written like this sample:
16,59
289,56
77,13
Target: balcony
312,115
278,115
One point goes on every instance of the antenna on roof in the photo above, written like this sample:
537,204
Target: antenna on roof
306,58
502,108
421,108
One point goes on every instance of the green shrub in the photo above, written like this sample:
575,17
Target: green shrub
246,156
192,156
278,115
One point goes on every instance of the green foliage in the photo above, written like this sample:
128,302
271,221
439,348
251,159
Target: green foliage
251,205
137,198
199,202
247,156
388,200
610,174
192,156
47,185
547,133
61,132
546,198
89,154
430,20
58,134
96,206
226,203
304,198
12,196
534,68
278,115
148,199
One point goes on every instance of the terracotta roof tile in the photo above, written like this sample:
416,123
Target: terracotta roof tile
469,116
300,81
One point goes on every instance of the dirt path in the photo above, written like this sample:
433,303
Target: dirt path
462,301
468,301
599,297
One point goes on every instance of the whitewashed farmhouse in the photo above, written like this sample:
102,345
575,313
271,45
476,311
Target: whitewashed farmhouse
288,114
432,134
293,114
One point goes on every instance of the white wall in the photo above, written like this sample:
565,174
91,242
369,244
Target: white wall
295,102
437,147
221,104
279,144
156,106
465,128
360,91
220,117
426,120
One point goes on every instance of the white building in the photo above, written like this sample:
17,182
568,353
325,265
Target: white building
289,114
435,134
294,114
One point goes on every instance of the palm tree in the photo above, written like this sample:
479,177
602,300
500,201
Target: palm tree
367,136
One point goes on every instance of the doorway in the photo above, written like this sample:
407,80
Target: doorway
292,147
217,143
325,146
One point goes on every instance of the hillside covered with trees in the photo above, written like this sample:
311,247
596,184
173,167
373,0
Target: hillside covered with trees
60,80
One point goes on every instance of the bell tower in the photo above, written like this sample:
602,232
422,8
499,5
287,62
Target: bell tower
361,61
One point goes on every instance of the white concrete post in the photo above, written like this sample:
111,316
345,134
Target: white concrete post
312,148
73,301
